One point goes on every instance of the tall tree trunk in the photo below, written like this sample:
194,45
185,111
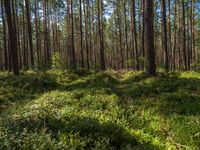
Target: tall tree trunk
18,34
184,35
188,43
73,61
28,17
179,35
37,32
169,36
143,32
175,35
25,59
135,36
12,37
46,36
86,33
120,34
4,37
164,34
101,38
81,33
149,37
195,55
126,34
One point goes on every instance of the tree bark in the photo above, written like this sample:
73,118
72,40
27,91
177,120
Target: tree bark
149,37
164,35
12,37
28,17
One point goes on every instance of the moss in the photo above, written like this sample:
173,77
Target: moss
111,110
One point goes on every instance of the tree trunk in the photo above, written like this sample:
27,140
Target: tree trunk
12,37
184,35
28,17
86,34
149,37
4,38
101,38
81,33
73,62
135,36
175,35
164,34
37,33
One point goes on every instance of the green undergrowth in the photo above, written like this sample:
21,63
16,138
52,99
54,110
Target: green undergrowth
57,110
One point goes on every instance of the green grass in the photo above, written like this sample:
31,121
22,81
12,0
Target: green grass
57,110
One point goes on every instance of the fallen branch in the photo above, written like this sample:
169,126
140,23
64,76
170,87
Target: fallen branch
167,134
177,144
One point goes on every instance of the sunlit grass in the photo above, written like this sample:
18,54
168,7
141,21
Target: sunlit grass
112,110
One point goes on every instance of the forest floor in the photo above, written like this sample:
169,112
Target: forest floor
57,110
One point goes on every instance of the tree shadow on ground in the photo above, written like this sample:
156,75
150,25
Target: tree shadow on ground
100,81
88,127
176,95
26,87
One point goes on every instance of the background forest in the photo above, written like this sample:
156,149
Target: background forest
96,34
99,75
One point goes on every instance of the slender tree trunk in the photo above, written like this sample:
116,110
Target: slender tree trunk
143,32
195,55
86,34
164,34
12,37
18,34
28,17
169,36
175,35
179,35
101,38
73,62
81,33
126,34
149,37
37,32
120,35
135,36
188,43
4,37
184,35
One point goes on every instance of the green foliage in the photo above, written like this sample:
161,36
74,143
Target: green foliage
41,63
56,61
82,72
129,62
59,61
197,64
84,110
142,61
